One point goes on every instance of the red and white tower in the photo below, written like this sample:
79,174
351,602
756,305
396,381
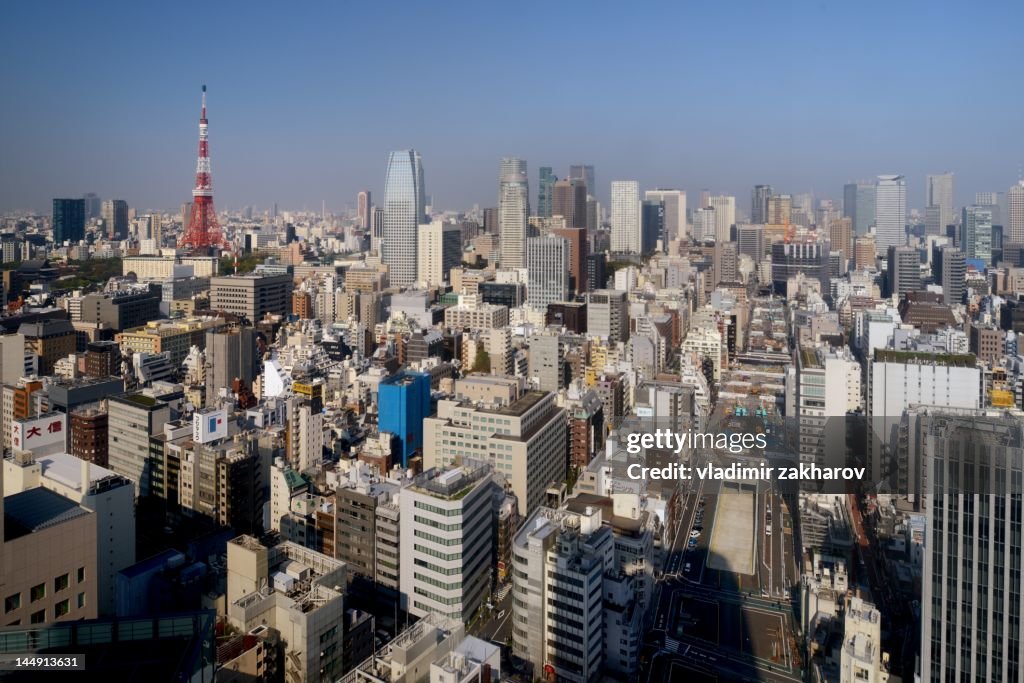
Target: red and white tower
203,232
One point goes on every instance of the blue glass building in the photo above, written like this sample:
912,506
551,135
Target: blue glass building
404,402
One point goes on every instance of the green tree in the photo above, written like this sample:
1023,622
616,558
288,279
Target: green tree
482,361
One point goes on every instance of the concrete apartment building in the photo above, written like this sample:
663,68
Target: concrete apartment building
297,591
447,532
525,441
251,296
110,497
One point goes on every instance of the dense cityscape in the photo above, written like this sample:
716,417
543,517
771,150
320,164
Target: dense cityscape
587,428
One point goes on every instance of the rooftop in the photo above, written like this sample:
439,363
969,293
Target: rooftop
37,509
956,360
520,407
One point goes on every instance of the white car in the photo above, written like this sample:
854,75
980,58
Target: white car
687,568
694,534
768,530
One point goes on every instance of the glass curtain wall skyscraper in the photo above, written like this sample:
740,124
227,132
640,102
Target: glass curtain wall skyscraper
859,205
544,192
403,211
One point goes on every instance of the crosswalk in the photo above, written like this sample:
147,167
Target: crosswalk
673,645
502,592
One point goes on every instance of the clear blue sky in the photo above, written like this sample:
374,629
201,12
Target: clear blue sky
306,103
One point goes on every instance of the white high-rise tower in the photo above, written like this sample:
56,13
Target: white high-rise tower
513,212
890,212
626,216
1015,210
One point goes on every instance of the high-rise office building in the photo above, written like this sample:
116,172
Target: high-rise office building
750,241
780,209
578,253
939,193
446,517
652,225
115,218
586,174
230,354
93,205
840,235
403,212
725,215
597,275
890,212
953,268
626,216
513,211
976,233
439,250
904,270
759,204
547,263
545,192
253,296
364,206
68,220
674,202
971,586
859,204
569,201
704,224
1014,221
131,420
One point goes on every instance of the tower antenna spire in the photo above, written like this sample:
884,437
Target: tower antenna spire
203,232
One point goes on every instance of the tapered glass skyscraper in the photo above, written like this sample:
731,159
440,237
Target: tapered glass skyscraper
403,211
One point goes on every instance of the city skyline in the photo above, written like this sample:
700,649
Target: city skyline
288,124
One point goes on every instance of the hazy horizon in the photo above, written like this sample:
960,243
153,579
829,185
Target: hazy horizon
305,105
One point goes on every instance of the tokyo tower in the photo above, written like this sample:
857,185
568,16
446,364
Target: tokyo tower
203,232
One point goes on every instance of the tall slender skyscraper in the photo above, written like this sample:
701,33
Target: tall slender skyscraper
759,204
586,174
402,211
513,211
115,218
674,202
363,205
626,216
1015,214
68,220
569,200
93,205
939,193
545,191
859,204
890,212
725,215
976,231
